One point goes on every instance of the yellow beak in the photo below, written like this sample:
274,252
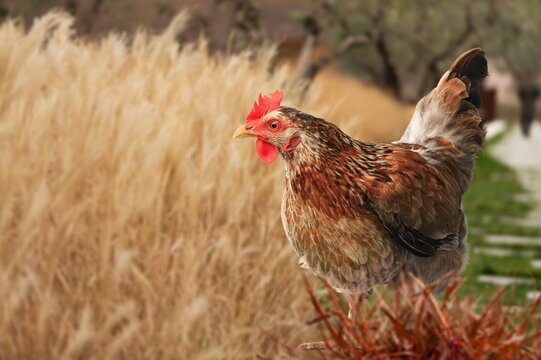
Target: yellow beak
243,131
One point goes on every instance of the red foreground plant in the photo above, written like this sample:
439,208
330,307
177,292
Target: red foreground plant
415,324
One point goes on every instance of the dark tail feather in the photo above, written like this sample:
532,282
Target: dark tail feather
471,67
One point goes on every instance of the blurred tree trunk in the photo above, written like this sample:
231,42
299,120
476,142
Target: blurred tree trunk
246,28
528,93
89,17
4,13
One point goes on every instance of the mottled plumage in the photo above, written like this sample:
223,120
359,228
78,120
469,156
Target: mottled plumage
360,214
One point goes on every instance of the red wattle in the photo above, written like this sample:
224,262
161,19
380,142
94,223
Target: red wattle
267,152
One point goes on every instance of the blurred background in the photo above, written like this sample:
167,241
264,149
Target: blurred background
398,48
367,63
373,60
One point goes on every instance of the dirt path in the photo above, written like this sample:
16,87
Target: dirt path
518,151
524,155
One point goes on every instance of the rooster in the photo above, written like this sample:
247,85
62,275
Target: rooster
360,214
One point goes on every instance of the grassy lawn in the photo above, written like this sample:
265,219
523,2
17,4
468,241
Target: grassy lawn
495,198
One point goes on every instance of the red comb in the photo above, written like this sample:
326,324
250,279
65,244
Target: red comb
264,105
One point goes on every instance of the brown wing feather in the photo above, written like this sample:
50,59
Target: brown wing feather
419,205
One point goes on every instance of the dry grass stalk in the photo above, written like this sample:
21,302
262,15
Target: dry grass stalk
131,225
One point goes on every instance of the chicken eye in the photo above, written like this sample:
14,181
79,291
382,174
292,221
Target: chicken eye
274,125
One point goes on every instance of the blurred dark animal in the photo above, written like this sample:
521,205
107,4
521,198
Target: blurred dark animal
361,214
528,92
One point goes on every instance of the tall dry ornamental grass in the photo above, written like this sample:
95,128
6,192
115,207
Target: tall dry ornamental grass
131,225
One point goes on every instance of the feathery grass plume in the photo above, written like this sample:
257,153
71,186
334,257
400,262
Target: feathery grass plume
130,224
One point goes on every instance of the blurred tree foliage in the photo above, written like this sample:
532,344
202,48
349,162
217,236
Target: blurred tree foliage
405,46
401,46
94,17
516,36
516,42
221,21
